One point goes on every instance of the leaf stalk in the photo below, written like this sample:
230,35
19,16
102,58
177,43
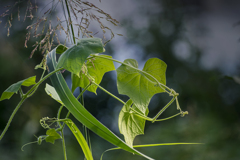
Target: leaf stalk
109,93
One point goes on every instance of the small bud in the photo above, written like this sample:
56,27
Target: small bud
8,34
184,113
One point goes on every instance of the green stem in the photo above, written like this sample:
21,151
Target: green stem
59,115
87,137
21,92
64,145
43,71
39,82
69,15
80,95
62,126
27,95
152,119
164,119
164,108
61,130
141,115
178,106
109,93
81,98
68,114
11,117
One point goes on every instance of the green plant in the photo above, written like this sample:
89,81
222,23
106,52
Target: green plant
87,68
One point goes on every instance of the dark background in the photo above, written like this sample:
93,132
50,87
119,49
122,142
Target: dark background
198,40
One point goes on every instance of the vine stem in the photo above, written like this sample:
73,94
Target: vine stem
108,93
38,83
81,94
24,97
163,109
61,130
64,145
151,119
12,116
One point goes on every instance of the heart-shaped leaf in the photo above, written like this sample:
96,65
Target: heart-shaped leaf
79,112
74,57
137,84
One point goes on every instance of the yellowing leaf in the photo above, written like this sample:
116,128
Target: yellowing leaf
52,92
95,69
129,124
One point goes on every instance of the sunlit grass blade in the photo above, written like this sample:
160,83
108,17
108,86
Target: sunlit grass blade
80,138
79,112
149,145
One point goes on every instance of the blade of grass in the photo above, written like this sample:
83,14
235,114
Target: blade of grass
81,140
149,145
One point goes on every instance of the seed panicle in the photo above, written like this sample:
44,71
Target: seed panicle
82,15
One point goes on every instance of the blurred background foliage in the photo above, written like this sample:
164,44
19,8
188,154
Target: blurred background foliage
162,29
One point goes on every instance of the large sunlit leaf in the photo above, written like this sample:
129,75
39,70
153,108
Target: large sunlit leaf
138,86
52,92
7,94
95,68
129,124
52,135
80,138
74,57
79,112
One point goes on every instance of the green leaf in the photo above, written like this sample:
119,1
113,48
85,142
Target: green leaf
52,92
79,112
137,84
61,48
52,136
80,138
7,94
73,58
129,124
96,68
